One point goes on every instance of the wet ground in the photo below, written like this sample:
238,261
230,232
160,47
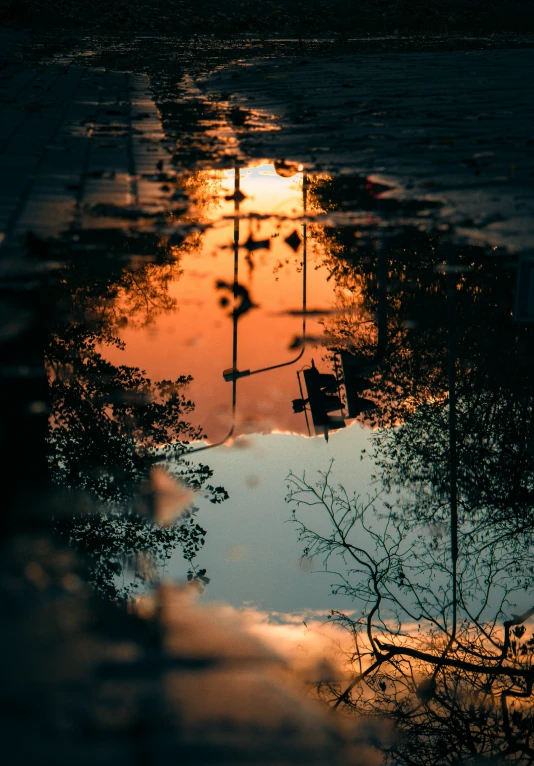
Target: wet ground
268,381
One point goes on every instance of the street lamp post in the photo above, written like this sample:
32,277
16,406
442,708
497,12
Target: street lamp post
233,374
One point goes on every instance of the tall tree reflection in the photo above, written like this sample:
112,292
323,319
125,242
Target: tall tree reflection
111,424
438,563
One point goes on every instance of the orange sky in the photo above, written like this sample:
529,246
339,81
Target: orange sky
196,338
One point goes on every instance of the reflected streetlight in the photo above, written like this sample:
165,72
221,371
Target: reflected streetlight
233,374
235,316
284,170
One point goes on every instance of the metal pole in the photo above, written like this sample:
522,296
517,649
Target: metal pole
235,317
453,447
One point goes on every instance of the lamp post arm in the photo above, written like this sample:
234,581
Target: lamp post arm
211,446
274,366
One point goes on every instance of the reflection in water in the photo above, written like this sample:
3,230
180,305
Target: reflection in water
272,279
110,424
283,304
443,644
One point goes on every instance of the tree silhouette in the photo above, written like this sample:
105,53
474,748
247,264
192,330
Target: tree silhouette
435,289
493,352
451,666
437,562
111,425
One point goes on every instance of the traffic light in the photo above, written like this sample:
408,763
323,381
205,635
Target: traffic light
354,370
323,399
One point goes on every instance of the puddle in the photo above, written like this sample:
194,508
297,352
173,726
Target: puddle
277,437
252,293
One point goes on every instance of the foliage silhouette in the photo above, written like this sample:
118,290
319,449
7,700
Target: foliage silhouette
437,562
494,352
454,674
111,424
